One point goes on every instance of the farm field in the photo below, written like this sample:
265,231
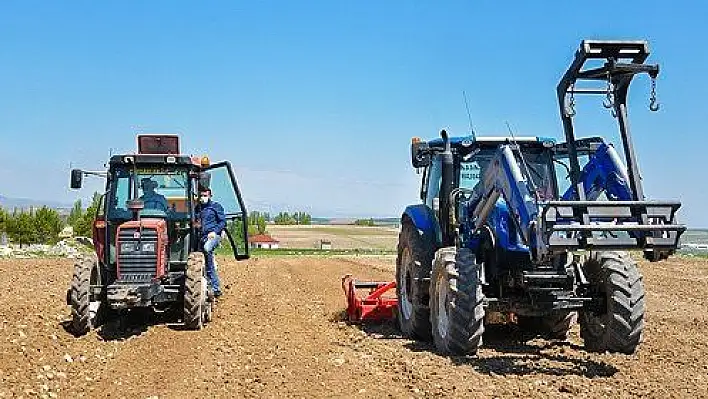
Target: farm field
277,333
341,236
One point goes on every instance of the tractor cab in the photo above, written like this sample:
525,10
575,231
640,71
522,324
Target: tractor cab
471,157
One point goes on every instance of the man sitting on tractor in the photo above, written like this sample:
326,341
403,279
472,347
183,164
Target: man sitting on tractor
213,222
151,198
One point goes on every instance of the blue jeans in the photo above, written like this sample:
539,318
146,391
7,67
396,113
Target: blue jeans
208,247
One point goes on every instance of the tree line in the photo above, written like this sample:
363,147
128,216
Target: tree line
365,222
43,225
294,218
32,226
257,221
82,220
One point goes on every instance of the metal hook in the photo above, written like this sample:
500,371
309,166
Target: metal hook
654,105
569,111
570,103
609,101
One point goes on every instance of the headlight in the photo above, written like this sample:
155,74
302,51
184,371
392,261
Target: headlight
127,247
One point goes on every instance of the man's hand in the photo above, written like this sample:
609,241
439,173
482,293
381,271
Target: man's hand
211,235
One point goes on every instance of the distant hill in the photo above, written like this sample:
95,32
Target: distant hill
10,203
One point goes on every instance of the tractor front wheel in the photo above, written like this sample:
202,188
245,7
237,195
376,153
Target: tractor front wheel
457,302
85,313
617,323
197,307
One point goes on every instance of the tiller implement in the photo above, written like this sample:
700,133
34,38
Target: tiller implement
374,307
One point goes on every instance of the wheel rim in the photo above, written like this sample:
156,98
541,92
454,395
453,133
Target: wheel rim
405,292
441,289
94,306
203,306
93,310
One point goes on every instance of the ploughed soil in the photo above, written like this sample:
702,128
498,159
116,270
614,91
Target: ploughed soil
277,332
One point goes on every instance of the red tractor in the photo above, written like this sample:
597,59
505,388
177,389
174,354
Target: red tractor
146,235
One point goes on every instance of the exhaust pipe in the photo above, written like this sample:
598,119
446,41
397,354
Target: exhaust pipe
446,183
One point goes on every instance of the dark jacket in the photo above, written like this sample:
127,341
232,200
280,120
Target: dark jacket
212,218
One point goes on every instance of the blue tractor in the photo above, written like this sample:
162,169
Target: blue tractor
535,229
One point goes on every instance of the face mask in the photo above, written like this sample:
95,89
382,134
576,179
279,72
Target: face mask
204,199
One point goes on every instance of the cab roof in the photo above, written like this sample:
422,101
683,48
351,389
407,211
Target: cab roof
467,141
154,159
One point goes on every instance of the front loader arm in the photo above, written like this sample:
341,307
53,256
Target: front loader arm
604,172
504,178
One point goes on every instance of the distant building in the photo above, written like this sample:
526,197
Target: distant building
325,244
263,241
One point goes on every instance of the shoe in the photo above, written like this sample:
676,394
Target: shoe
217,294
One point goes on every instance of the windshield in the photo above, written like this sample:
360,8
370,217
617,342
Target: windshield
473,165
163,191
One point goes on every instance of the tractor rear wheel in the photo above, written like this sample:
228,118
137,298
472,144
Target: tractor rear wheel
413,266
85,313
197,307
457,302
617,324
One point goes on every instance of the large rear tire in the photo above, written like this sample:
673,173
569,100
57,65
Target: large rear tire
413,267
457,302
197,307
84,312
617,325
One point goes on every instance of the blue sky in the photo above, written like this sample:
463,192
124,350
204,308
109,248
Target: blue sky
315,102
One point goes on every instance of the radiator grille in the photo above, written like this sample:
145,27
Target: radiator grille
137,266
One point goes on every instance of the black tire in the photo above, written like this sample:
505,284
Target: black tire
556,325
655,255
413,267
618,325
456,302
83,317
195,293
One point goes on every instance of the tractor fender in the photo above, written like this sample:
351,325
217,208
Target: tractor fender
423,218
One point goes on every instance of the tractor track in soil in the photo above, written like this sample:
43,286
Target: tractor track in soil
276,333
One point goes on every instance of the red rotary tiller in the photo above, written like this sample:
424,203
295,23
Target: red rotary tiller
376,306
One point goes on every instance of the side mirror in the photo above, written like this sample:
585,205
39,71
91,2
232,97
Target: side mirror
420,154
77,176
